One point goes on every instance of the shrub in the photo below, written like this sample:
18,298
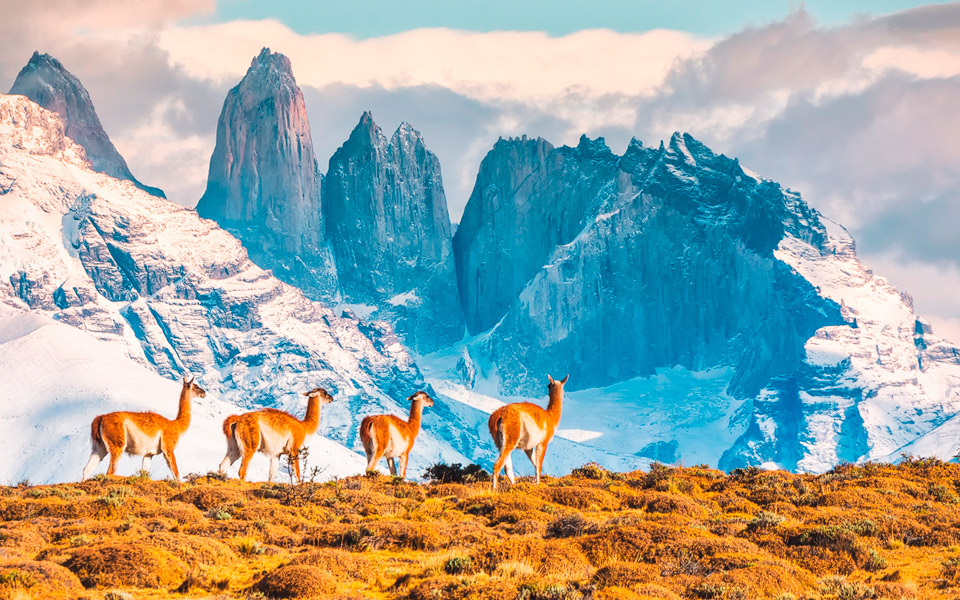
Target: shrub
297,581
456,473
459,565
765,520
570,525
132,565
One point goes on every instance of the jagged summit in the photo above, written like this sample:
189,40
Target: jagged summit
44,80
263,183
389,193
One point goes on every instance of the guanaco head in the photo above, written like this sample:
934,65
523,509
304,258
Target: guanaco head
421,396
557,385
191,384
325,397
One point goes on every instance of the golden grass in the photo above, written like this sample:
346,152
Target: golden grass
871,531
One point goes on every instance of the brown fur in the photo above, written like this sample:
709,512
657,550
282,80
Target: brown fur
507,427
375,433
114,433
245,435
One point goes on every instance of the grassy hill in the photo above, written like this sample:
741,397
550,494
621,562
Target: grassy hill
871,531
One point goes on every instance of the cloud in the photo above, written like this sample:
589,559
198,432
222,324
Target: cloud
513,65
860,118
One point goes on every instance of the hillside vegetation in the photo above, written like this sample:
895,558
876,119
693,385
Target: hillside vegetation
871,531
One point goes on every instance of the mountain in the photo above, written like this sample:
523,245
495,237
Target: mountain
263,185
615,265
387,221
616,268
45,81
178,294
149,291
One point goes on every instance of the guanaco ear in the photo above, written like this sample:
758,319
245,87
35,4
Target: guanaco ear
550,378
564,380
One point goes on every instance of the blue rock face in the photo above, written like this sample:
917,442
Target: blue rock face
660,257
263,185
387,221
45,81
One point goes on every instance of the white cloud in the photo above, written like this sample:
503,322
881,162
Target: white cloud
529,66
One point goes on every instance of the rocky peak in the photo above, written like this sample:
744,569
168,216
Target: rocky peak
541,196
389,194
44,80
263,183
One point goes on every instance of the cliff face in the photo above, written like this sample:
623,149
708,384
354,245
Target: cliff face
263,185
46,82
613,266
387,221
529,198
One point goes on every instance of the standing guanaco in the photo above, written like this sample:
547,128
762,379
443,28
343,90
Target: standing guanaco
392,437
526,426
272,432
143,434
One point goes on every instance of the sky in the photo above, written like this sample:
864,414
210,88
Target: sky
852,104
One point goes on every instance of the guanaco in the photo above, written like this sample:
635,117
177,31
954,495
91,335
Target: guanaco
526,426
143,434
392,437
272,432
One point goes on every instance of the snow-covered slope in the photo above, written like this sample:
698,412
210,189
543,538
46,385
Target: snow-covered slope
880,385
56,378
178,294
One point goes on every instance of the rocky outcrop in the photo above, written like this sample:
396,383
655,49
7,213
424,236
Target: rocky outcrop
661,257
263,185
46,82
387,221
529,198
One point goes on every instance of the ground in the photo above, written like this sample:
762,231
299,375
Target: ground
870,531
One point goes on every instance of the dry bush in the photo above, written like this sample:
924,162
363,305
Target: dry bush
449,587
625,574
21,540
192,549
126,564
206,497
40,579
341,563
297,581
545,557
582,497
661,502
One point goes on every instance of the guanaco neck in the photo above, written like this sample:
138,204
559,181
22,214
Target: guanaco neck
555,405
416,414
312,419
183,413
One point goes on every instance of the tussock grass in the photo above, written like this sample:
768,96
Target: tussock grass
859,531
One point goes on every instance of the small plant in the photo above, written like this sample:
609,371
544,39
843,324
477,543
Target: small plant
874,562
219,513
942,493
16,578
116,497
459,565
765,520
249,547
840,588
